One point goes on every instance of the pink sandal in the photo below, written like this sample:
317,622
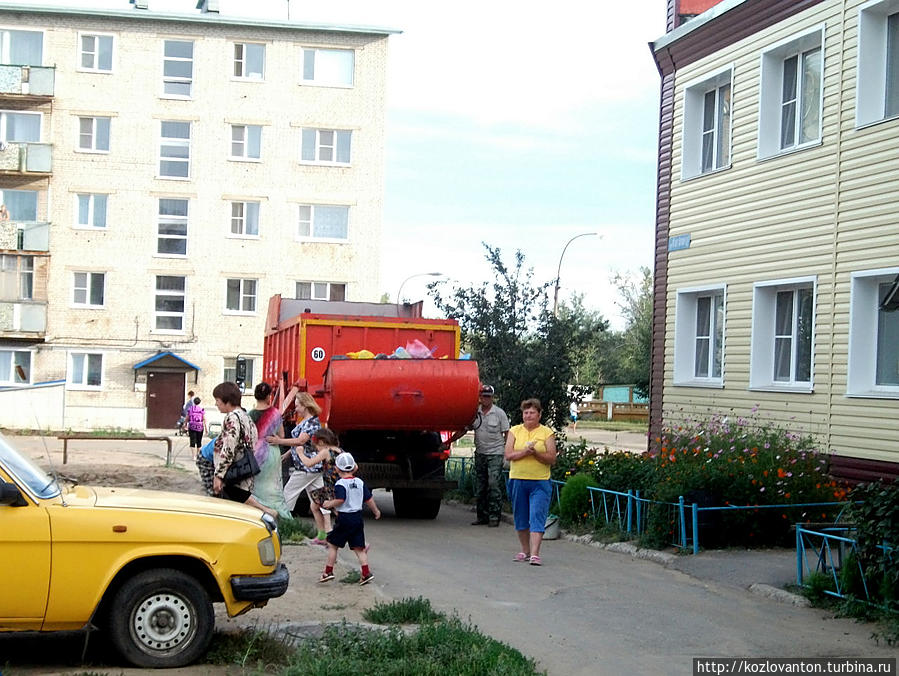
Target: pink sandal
535,561
521,557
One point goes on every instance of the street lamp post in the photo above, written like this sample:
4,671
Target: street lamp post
399,294
559,270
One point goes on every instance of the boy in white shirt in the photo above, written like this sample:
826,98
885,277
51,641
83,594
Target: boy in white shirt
350,494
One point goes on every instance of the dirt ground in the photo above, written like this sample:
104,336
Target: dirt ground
140,465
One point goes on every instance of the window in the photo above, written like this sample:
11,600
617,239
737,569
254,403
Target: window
172,227
877,75
22,48
328,67
246,141
20,127
707,125
16,277
245,218
783,319
241,295
86,370
170,302
319,221
21,204
326,146
791,95
174,149
15,367
321,291
229,373
873,337
699,337
88,288
91,210
178,68
249,61
93,134
95,52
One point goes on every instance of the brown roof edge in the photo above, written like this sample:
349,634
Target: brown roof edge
740,21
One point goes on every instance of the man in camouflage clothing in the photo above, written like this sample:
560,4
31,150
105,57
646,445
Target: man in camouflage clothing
490,430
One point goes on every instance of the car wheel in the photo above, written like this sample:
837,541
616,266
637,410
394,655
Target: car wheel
161,618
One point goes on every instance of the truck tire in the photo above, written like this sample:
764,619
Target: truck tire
161,618
416,503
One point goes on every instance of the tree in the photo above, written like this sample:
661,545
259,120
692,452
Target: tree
521,348
635,353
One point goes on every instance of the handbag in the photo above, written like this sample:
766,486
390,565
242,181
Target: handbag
243,467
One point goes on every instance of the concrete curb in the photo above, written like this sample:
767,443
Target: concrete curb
779,595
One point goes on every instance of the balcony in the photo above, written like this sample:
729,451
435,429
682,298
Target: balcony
24,236
23,319
25,158
34,82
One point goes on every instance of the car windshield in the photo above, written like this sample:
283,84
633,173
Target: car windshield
23,469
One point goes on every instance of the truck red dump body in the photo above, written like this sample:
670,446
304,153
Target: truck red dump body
388,412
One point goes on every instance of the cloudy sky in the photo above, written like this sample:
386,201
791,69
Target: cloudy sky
520,124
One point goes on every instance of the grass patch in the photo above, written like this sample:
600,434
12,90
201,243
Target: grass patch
405,611
445,647
611,425
295,530
886,622
352,577
249,648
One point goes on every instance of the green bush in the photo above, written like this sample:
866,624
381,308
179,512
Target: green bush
875,511
405,611
574,507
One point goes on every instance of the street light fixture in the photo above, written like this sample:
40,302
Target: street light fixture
399,294
559,270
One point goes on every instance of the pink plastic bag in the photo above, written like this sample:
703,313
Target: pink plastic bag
418,350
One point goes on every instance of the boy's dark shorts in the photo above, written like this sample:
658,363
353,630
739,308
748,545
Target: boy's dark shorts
348,530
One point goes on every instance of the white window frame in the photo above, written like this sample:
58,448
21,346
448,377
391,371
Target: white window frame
771,92
864,298
92,211
13,362
90,277
247,296
178,80
172,219
312,140
163,314
229,373
685,335
321,75
241,142
85,358
311,237
312,289
97,36
693,123
4,125
240,63
20,269
4,44
174,142
96,124
871,68
762,343
244,217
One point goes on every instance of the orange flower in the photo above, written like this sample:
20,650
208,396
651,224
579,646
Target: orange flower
781,474
765,472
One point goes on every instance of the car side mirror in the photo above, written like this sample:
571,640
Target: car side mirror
10,495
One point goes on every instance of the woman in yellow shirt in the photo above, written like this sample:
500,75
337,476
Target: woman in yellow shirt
531,451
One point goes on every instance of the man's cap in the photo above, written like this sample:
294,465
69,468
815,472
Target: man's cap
486,390
345,462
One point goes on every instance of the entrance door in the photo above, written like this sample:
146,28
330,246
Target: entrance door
165,397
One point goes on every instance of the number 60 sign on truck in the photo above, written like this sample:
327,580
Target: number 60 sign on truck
388,410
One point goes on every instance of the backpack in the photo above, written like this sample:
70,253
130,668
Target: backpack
195,415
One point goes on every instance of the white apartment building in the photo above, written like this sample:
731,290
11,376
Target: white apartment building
165,174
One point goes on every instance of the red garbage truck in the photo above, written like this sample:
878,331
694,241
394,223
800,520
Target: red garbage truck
388,407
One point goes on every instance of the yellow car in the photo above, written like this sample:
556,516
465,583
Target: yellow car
145,566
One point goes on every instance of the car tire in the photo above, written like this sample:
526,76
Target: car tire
161,618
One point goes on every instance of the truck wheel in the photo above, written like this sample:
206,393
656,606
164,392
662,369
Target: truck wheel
416,503
161,618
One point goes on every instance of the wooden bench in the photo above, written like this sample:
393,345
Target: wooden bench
111,437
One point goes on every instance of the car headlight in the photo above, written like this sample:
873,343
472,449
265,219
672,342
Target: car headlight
267,552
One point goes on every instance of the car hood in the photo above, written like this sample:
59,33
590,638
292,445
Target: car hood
164,501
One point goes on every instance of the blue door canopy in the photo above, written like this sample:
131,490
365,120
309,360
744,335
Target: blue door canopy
168,360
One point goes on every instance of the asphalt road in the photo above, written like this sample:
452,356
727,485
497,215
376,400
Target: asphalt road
589,611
